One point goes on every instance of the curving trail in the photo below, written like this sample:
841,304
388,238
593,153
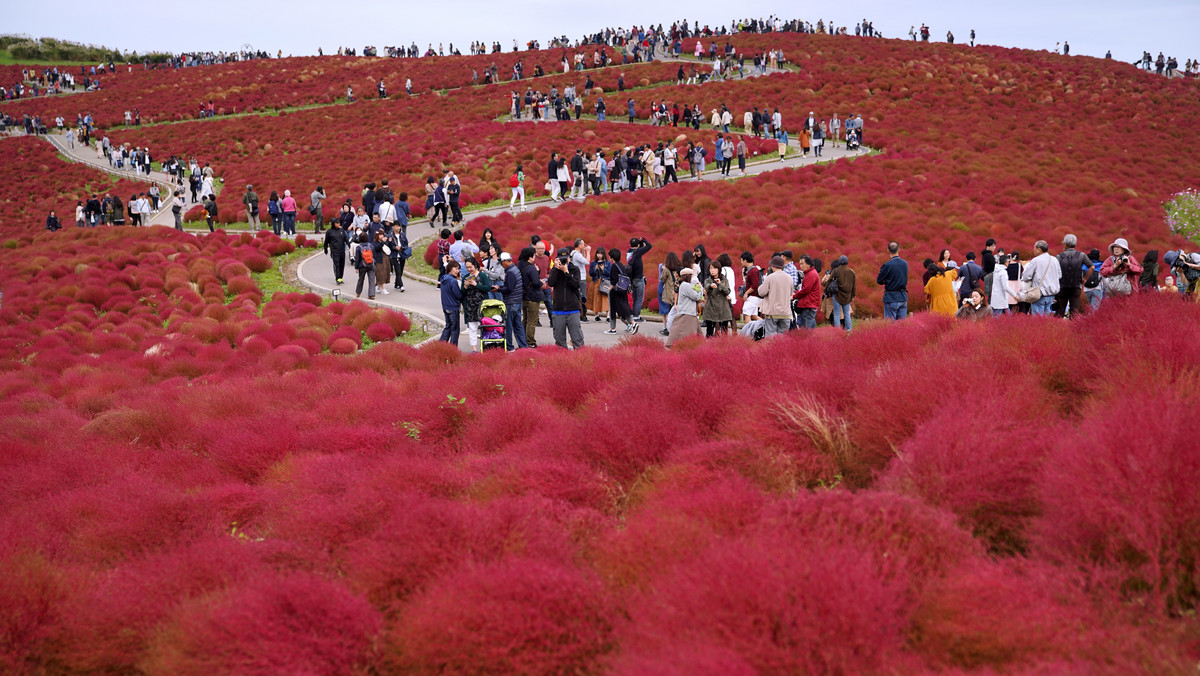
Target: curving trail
421,298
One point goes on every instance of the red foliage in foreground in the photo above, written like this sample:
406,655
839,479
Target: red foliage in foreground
444,533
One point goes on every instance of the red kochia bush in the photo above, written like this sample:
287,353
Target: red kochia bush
514,617
782,603
1121,500
296,624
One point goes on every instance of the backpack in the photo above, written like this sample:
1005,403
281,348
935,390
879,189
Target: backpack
367,255
1093,280
1071,262
622,280
514,181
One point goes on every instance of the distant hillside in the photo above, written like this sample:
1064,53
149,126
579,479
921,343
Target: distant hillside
25,49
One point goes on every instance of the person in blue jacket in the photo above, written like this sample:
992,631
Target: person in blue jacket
451,304
512,291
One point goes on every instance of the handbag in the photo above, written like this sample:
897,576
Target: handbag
605,286
1117,284
1031,295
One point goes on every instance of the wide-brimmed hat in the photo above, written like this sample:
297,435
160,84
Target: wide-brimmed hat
1120,241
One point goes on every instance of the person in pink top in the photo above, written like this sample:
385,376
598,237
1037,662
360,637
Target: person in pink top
289,213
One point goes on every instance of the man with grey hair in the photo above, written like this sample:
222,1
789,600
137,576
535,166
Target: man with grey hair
1042,273
1073,265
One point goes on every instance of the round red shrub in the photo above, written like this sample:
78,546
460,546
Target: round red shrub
380,332
300,624
518,616
343,346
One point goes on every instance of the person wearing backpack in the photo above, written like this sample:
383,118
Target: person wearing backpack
517,183
1092,290
364,262
275,213
618,296
1074,265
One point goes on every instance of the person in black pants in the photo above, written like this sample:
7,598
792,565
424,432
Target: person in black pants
337,240
452,192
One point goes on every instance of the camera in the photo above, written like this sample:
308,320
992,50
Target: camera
563,260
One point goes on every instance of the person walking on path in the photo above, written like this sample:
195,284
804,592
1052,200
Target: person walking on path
364,263
618,297
177,205
893,277
250,201
337,240
517,183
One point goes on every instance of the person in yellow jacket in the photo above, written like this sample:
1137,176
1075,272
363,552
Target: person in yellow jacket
939,292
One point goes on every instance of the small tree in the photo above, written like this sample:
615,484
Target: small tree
1183,214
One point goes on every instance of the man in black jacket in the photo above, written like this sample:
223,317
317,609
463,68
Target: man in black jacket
638,247
564,300
532,295
337,240
552,171
92,211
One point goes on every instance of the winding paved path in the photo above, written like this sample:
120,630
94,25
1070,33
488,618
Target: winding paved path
421,298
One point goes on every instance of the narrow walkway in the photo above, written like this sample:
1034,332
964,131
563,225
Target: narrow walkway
421,297
87,155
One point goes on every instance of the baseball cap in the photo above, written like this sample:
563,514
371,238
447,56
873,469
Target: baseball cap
506,256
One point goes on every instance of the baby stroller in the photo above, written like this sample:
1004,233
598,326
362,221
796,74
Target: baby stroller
852,140
491,325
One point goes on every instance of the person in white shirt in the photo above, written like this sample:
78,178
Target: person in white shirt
1044,273
835,129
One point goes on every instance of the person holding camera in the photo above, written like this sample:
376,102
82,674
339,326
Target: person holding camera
638,247
1120,271
565,305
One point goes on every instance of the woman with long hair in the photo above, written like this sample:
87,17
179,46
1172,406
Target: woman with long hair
598,270
668,286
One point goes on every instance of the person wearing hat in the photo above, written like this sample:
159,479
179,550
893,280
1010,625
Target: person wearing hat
1120,271
250,201
687,308
512,292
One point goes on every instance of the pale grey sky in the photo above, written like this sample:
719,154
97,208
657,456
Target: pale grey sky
1127,28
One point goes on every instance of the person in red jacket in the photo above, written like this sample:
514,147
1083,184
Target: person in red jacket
807,298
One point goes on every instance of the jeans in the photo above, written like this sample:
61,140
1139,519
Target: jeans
289,222
895,310
600,116
450,333
840,311
276,224
368,274
514,327
567,323
806,318
1094,296
1042,306
639,296
318,221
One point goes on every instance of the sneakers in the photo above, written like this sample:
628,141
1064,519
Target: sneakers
612,332
664,332
339,281
633,328
384,290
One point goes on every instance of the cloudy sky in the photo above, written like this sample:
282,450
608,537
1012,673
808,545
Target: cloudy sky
1127,28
